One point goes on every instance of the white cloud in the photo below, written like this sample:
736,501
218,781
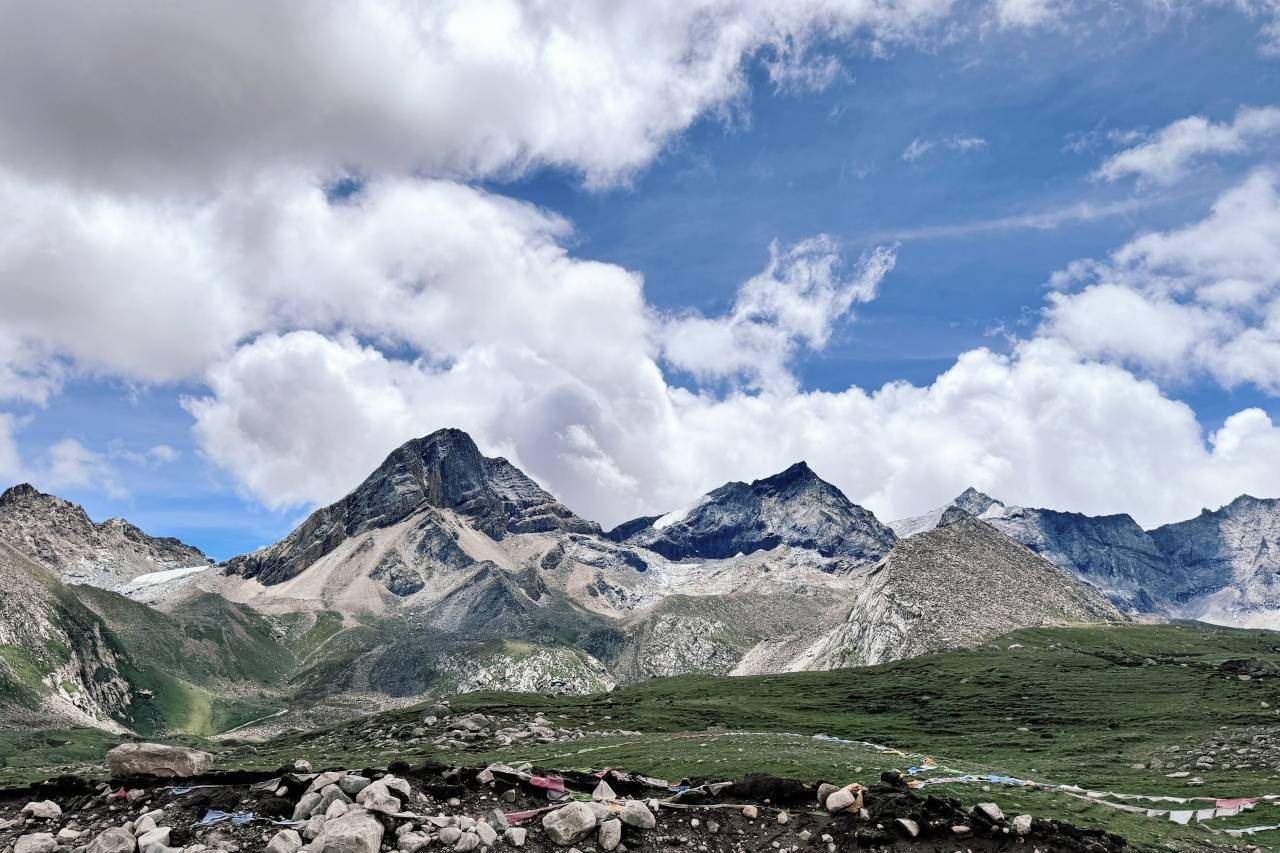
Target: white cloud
141,95
1170,152
1200,299
795,301
1027,13
920,147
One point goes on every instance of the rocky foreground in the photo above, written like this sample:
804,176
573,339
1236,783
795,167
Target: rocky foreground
165,799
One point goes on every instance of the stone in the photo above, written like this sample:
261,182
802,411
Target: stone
825,790
381,801
750,812
1022,824
66,834
784,818
603,792
157,759
306,806
991,810
637,814
324,780
487,834
36,842
960,830
336,809
158,837
352,784
842,799
908,826
301,765
114,840
610,834
357,831
469,841
412,842
284,841
572,823
450,835
515,836
498,820
315,826
143,825
44,810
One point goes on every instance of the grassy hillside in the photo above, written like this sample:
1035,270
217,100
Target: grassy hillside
1068,705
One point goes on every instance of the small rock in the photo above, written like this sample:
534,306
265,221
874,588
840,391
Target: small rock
44,810
357,831
908,826
960,830
37,842
284,841
487,834
1022,824
784,818
610,834
637,814
840,800
515,836
825,790
412,842
114,840
991,810
573,822
450,835
750,812
469,841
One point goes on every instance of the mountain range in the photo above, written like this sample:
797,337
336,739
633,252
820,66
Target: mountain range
448,571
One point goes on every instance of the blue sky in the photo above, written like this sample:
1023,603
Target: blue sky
979,230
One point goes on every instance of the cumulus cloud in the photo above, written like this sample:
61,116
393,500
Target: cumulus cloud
187,96
795,301
1167,156
1199,299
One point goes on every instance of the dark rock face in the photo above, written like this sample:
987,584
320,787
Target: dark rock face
795,508
1237,545
397,576
444,470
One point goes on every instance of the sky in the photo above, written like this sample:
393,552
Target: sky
1024,245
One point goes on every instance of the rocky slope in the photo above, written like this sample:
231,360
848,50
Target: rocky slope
61,535
1220,566
1229,562
960,584
57,666
794,508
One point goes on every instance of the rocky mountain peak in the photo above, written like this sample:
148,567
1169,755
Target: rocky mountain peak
443,470
61,535
794,507
954,515
975,502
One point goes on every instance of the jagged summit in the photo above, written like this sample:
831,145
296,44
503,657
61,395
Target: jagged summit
975,502
61,535
444,470
794,507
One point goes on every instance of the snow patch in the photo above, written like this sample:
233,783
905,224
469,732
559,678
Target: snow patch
156,578
678,515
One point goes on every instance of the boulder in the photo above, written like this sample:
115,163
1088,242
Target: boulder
284,841
157,759
353,784
610,834
357,831
114,840
306,806
637,814
37,842
570,823
44,810
1022,824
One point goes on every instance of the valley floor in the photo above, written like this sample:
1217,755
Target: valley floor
1177,711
